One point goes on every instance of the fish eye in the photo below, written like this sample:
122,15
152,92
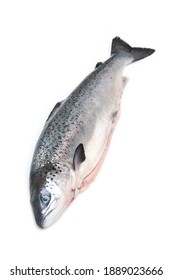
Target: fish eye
45,199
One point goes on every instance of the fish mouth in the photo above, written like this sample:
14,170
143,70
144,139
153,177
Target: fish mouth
38,213
46,219
50,217
41,219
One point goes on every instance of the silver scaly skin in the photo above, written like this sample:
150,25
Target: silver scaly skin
76,135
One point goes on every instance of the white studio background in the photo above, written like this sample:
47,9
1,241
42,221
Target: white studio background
125,217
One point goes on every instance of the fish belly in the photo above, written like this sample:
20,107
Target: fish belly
93,171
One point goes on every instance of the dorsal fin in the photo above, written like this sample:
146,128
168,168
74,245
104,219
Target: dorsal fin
54,110
98,64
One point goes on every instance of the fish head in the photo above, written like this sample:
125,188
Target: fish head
51,189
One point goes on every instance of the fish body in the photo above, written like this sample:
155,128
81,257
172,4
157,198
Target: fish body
76,135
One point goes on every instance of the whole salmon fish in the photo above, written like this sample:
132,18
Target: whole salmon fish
77,133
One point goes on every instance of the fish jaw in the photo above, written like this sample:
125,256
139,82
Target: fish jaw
54,211
51,192
46,216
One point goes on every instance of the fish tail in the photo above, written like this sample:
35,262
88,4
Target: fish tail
136,53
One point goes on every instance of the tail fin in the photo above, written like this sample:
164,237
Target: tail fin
137,53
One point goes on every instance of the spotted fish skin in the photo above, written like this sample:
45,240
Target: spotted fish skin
76,134
69,118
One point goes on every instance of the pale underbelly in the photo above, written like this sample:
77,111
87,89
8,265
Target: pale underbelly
96,152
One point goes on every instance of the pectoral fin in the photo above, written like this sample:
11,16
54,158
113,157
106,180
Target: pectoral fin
79,156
